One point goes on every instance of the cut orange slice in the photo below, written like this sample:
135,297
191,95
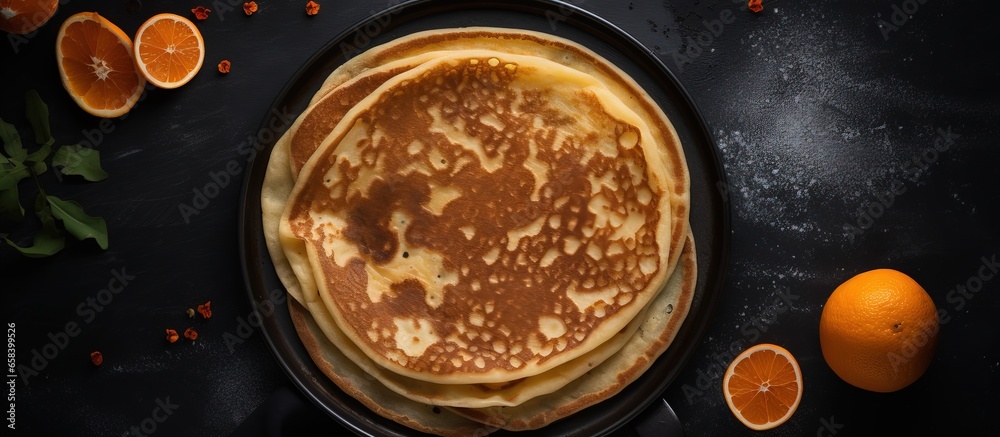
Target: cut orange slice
24,16
96,66
169,50
763,386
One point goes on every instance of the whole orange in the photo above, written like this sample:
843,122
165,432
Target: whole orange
24,16
879,330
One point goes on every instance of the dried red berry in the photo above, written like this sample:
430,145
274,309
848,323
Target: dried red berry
312,8
201,13
205,309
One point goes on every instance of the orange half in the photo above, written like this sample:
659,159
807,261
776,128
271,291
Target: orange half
763,386
96,66
169,50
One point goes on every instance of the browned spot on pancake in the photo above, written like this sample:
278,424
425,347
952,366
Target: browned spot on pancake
368,218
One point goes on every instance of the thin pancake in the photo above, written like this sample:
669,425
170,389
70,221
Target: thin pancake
383,205
279,180
508,394
657,331
359,76
556,49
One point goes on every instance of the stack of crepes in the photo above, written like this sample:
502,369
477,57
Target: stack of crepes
481,229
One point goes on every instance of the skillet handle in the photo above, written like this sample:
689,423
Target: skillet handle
658,420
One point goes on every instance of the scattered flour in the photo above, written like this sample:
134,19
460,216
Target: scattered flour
228,397
808,128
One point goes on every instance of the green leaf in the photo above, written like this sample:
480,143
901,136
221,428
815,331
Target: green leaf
49,239
12,142
11,173
37,113
79,160
40,154
10,205
47,242
78,223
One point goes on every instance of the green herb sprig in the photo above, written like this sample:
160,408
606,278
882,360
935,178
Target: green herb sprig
57,216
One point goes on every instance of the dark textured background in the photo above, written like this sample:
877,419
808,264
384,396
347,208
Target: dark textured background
816,110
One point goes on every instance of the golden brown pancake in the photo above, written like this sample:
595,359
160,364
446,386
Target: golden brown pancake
484,217
363,73
391,395
556,49
506,394
666,313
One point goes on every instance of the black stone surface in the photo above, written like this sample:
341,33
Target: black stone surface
854,136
